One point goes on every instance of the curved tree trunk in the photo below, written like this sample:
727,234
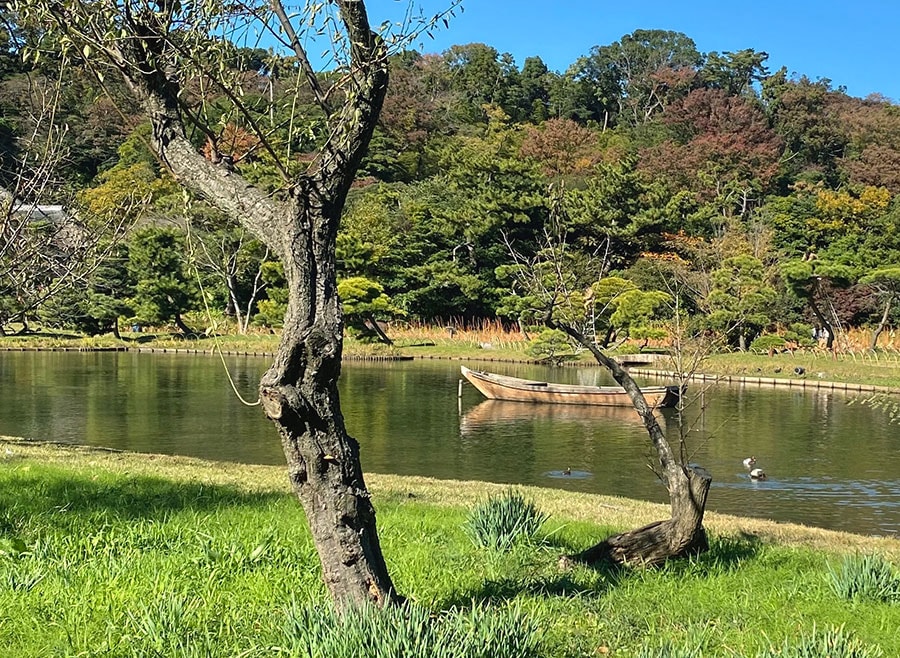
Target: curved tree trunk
299,391
881,325
182,327
659,541
383,337
688,486
300,395
826,324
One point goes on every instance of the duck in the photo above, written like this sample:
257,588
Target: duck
567,471
750,462
758,474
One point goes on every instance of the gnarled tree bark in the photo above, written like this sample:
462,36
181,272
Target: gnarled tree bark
683,534
299,391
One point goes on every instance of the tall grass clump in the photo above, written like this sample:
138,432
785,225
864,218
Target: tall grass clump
865,577
669,650
830,643
408,631
504,520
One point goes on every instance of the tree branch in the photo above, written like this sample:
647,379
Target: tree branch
300,52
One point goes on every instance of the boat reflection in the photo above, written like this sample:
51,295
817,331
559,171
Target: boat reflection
492,412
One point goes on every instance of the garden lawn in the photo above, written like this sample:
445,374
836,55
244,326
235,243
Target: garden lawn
117,554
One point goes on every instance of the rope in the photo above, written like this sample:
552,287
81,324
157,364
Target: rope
217,348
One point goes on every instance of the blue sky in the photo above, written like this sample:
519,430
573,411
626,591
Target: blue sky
854,43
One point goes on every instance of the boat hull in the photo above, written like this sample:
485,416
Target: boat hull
500,387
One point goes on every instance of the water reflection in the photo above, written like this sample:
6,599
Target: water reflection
491,412
829,463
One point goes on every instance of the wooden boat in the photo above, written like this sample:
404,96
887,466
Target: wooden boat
501,387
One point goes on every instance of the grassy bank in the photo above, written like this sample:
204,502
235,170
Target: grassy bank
493,342
116,554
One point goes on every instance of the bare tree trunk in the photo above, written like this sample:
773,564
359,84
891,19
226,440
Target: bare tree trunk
688,486
608,337
883,323
300,395
522,328
182,327
383,337
659,541
829,329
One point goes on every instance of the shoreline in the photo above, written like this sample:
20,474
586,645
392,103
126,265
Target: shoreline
612,511
778,382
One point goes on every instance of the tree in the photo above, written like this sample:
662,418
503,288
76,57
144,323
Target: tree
872,156
95,307
45,249
617,213
164,288
886,283
563,148
723,149
802,113
364,303
576,95
741,300
160,48
534,90
551,346
645,70
479,76
811,281
734,73
548,279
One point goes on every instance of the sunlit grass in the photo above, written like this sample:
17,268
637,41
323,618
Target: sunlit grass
873,368
116,554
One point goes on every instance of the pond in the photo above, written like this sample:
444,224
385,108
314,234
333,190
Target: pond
830,464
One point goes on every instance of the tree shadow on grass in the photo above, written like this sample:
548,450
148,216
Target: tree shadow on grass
563,585
57,492
39,334
534,571
724,554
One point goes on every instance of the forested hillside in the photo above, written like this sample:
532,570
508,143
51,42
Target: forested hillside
762,203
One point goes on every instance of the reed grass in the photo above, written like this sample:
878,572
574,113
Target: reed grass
504,520
866,577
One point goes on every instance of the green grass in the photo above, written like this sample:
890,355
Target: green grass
880,368
100,557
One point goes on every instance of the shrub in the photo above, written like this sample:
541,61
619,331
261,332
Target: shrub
504,520
801,334
409,632
766,343
553,346
831,643
865,577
